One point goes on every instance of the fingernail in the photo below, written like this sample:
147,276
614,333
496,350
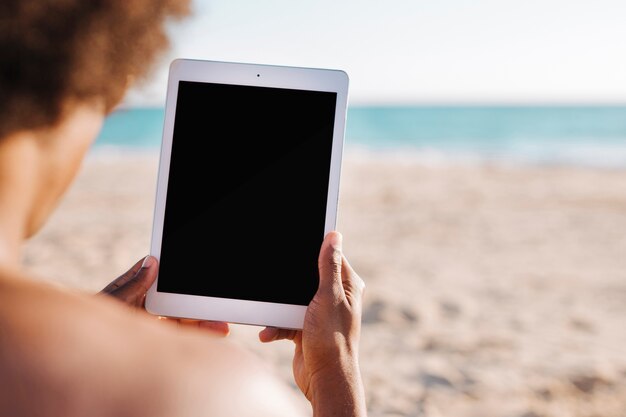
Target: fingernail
147,262
335,240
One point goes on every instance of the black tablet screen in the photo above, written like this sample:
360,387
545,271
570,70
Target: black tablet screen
247,192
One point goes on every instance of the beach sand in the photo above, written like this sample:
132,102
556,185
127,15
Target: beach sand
491,290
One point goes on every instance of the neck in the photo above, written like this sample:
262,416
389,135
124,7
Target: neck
18,184
36,168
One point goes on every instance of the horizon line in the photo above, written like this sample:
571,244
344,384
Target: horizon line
441,103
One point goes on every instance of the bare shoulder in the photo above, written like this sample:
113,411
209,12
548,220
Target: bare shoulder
68,353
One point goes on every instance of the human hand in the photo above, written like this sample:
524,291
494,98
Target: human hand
132,286
325,363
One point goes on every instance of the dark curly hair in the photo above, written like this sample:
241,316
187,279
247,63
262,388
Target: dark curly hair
58,51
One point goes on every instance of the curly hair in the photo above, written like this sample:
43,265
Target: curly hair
55,51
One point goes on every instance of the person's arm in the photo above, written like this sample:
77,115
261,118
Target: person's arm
131,288
326,359
72,354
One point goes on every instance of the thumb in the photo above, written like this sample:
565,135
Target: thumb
330,264
131,287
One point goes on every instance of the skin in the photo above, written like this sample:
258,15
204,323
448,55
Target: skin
68,353
36,168
326,353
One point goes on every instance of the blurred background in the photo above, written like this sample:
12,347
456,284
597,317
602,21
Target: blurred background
483,193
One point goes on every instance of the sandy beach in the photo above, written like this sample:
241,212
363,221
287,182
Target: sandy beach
491,290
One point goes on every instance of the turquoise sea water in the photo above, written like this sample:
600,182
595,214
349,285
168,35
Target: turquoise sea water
579,135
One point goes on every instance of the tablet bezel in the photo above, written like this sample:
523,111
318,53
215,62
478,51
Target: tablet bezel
261,75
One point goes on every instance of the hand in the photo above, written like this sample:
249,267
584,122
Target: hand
325,363
132,286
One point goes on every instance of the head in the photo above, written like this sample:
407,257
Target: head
64,65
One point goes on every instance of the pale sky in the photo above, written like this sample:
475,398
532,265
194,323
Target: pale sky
419,51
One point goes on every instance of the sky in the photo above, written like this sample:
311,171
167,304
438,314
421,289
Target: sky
418,51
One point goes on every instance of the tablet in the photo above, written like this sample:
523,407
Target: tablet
248,186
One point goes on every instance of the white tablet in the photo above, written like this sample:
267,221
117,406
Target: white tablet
247,188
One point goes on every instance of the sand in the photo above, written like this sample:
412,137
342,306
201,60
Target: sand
491,290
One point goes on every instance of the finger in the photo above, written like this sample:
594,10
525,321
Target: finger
134,290
124,278
220,328
169,320
329,264
141,282
270,334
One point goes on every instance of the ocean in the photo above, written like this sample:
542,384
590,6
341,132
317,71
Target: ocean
558,135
